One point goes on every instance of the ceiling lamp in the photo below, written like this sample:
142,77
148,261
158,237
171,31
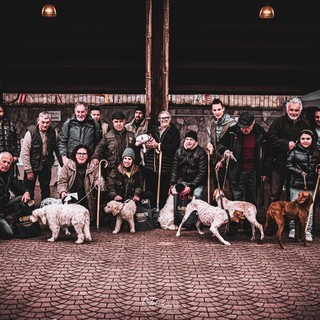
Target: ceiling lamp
266,12
49,11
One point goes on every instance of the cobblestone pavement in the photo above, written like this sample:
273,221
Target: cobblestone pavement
154,275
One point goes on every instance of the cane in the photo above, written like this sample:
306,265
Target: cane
314,199
209,178
99,190
159,182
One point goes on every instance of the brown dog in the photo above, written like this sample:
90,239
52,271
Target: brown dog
297,210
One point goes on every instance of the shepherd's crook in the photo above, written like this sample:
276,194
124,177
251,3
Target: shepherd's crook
314,199
99,190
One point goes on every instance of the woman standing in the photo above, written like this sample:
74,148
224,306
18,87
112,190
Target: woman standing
81,177
303,165
166,140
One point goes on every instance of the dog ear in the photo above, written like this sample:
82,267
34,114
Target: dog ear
238,215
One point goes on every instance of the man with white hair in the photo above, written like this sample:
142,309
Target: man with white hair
39,145
283,134
9,183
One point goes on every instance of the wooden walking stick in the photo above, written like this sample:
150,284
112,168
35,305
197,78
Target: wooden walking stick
209,181
314,200
159,183
99,190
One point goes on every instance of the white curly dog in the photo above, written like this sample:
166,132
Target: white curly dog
61,216
123,211
211,216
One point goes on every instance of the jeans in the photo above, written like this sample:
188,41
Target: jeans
6,231
294,195
197,192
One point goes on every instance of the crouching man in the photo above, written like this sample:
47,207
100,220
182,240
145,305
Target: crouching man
8,182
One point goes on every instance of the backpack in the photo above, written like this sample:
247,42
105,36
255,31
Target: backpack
179,206
143,216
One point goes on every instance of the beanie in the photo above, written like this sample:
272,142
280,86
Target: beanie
118,115
141,108
192,134
128,152
246,119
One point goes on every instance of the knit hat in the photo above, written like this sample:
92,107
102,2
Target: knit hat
192,134
246,119
141,108
118,115
128,152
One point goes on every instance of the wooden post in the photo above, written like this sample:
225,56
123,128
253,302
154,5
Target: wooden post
148,58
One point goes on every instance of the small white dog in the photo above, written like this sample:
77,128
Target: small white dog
211,216
123,211
166,215
61,216
141,140
67,199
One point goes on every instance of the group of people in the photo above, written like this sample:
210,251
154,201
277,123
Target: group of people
288,153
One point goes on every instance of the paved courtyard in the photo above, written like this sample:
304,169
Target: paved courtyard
154,275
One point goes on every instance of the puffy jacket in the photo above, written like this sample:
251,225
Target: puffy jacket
301,160
74,133
190,166
126,187
9,138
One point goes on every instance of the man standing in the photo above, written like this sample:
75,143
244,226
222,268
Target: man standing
113,144
9,138
283,134
139,124
219,125
39,144
9,183
95,113
247,140
190,166
79,129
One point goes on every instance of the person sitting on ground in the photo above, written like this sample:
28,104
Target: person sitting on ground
81,177
190,166
9,183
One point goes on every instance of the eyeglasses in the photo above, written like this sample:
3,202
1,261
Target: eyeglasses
81,154
164,118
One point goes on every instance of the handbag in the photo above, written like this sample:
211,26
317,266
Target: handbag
143,216
22,226
179,206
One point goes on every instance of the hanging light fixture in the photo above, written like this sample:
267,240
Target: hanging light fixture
49,11
266,12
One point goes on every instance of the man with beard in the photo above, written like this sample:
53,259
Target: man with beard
283,134
139,124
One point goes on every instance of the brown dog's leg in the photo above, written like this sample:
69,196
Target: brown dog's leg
280,222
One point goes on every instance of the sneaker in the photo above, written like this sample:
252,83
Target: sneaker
292,233
309,236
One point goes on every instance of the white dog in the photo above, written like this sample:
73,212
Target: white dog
141,140
67,199
166,215
211,216
249,210
123,211
61,216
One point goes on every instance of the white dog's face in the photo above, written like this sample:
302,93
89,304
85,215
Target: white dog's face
141,139
39,214
113,207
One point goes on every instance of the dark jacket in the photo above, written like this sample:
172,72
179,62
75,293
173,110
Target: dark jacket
170,141
190,166
112,146
9,138
8,182
301,160
74,133
36,147
232,141
126,187
281,131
